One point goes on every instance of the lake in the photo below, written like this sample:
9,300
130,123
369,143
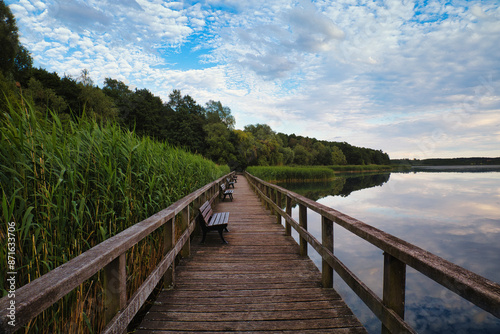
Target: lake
455,215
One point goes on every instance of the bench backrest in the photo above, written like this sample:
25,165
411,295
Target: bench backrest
206,212
223,187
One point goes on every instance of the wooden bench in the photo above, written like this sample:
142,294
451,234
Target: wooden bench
229,183
210,221
225,192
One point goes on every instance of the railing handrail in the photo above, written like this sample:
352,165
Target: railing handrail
467,284
36,296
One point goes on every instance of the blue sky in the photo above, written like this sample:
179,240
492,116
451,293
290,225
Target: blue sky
416,79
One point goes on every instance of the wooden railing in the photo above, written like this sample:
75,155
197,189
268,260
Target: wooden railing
397,255
110,256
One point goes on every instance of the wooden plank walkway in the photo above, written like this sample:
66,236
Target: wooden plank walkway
258,283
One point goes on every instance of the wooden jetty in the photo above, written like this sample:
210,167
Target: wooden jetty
257,282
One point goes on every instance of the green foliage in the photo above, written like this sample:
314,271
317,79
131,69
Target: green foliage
216,113
261,146
219,143
15,60
9,39
283,173
68,189
185,121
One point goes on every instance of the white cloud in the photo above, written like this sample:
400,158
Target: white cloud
391,74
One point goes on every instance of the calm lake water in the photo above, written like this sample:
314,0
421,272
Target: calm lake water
453,215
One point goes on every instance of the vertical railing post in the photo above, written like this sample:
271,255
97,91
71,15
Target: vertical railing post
288,227
215,188
115,287
272,198
327,241
303,224
184,216
394,286
278,203
169,242
266,192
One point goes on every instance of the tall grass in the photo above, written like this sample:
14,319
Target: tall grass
360,168
287,174
281,173
70,187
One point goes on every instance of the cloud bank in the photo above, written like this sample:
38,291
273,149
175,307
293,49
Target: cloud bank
413,79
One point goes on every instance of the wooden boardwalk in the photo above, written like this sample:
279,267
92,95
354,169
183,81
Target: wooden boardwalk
258,283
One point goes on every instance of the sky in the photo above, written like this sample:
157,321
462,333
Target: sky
415,79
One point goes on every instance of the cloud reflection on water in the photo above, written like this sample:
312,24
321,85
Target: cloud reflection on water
453,215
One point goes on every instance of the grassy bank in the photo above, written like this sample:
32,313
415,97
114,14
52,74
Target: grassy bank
68,188
283,173
360,168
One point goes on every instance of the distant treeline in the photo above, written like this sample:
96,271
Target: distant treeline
447,162
181,121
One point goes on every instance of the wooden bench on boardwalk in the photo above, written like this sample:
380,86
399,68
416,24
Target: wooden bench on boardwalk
225,192
229,183
210,221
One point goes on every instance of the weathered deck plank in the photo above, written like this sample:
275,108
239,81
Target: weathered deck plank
257,283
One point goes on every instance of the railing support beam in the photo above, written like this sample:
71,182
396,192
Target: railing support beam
288,227
169,242
115,286
184,216
303,224
394,286
278,203
327,241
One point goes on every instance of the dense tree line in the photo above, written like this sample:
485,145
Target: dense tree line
181,121
477,161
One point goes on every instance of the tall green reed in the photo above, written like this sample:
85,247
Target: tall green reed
283,173
69,187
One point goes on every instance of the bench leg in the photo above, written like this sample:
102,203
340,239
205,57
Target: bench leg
221,231
204,235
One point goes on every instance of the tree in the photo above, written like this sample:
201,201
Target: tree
246,148
23,64
219,146
9,40
145,114
122,96
45,98
94,101
301,155
185,122
338,157
85,78
268,144
216,113
15,59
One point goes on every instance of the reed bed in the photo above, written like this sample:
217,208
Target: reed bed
69,187
290,174
360,168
